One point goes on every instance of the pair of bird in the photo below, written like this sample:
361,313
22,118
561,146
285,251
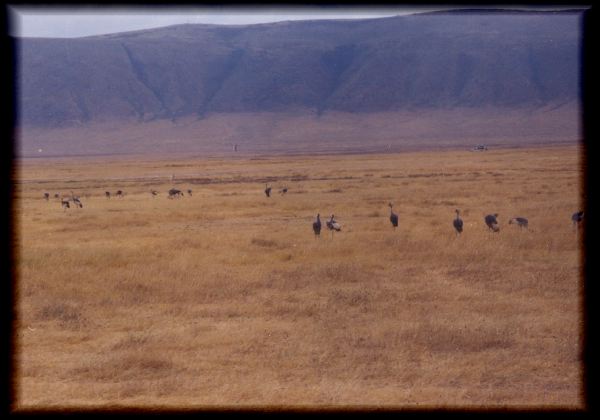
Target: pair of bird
268,190
332,225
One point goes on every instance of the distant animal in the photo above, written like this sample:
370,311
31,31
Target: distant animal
154,193
119,194
56,195
267,190
458,223
189,192
519,221
46,196
333,225
393,216
65,203
76,201
317,226
577,218
174,193
107,194
283,190
492,222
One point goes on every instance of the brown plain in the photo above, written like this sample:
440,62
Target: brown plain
226,299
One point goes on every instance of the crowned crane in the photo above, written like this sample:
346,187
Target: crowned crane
577,218
174,193
267,190
333,225
519,221
317,226
393,216
458,223
492,222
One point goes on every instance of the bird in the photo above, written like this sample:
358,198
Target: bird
46,196
119,194
75,200
492,222
393,216
107,194
189,192
458,223
577,218
317,226
333,225
173,192
519,221
267,190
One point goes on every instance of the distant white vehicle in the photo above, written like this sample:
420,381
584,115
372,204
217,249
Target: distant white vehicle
480,147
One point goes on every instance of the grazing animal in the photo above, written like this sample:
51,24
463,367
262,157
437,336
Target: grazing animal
267,190
577,218
492,222
317,226
77,202
393,216
458,223
283,191
46,196
173,193
56,195
154,193
333,225
107,194
65,203
519,221
119,194
189,192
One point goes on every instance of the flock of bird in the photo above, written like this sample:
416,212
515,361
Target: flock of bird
491,220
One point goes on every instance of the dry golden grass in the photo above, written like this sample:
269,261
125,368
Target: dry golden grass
225,298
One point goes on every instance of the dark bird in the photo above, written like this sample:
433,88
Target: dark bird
267,190
107,194
317,226
46,196
333,225
393,216
519,221
577,218
492,222
458,223
173,193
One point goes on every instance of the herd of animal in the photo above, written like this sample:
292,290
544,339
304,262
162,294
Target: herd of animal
491,220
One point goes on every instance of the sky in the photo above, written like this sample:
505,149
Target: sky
69,22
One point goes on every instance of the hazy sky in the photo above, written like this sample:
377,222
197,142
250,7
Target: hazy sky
83,21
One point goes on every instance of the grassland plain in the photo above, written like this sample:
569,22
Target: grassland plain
226,298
